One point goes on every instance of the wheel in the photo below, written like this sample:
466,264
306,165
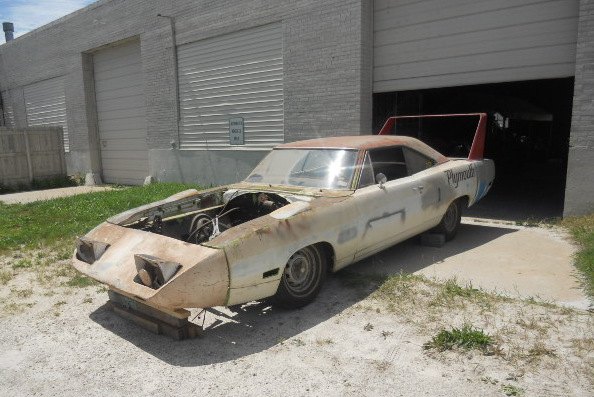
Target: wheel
451,221
303,277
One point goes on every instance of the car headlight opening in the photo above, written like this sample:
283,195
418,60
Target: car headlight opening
89,250
154,272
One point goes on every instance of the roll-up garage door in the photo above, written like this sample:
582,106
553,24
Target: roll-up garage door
437,43
45,104
121,114
238,75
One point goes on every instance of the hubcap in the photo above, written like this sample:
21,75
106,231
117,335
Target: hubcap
299,272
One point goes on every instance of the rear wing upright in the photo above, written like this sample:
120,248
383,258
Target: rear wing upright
477,149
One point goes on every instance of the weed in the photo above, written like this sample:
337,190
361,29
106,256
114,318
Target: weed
397,289
22,293
66,271
533,324
326,341
529,222
539,349
385,334
298,342
23,264
511,390
583,346
582,231
5,276
40,184
65,254
88,299
488,379
13,308
537,300
77,179
81,281
451,287
368,327
467,338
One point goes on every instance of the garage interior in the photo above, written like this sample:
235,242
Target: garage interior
527,136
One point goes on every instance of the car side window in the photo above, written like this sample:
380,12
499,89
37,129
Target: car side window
388,161
416,162
367,178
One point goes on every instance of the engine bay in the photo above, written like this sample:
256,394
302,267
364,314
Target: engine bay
201,220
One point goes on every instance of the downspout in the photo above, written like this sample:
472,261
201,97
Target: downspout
3,113
175,79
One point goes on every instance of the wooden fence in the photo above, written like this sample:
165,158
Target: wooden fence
31,153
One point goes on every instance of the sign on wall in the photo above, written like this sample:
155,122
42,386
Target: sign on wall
236,131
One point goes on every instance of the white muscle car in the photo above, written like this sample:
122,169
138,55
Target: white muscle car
308,208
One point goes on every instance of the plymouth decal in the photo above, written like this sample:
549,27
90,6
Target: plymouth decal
454,178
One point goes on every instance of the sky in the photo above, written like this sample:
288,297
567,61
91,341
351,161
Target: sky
27,15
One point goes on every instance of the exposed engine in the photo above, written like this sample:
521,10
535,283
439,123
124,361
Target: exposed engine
198,226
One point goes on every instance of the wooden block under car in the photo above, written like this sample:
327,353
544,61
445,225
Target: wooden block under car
173,323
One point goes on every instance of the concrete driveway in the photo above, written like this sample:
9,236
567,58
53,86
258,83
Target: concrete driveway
516,261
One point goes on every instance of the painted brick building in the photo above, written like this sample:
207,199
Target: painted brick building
148,87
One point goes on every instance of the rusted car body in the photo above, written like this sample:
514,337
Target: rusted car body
308,208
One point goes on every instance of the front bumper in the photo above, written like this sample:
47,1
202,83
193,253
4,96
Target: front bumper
202,281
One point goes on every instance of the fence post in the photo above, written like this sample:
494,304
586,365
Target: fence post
28,152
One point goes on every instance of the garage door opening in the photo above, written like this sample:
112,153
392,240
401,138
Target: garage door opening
528,136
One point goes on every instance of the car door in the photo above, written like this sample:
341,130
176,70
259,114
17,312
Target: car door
387,212
430,185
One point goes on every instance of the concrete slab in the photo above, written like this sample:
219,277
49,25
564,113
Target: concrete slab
506,259
40,195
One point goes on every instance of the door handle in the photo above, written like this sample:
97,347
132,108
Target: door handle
419,188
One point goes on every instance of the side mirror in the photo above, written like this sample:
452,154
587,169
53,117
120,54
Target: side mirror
381,179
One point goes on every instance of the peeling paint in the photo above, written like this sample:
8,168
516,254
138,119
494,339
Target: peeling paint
230,241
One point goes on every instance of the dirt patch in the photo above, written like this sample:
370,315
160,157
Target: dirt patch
364,335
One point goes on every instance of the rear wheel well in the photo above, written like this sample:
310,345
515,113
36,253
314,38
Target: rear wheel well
464,200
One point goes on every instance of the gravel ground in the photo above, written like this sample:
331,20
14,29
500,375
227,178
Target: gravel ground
58,340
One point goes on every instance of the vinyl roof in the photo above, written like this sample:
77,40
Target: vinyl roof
365,142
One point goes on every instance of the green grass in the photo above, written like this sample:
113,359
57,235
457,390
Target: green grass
467,338
45,222
81,281
582,230
511,390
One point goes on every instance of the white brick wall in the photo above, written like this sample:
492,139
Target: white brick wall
327,66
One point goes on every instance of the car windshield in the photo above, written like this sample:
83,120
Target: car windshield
318,168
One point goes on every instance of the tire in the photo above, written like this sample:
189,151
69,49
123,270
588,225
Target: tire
303,277
450,223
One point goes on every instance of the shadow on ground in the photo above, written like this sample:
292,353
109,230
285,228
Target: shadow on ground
410,256
239,332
